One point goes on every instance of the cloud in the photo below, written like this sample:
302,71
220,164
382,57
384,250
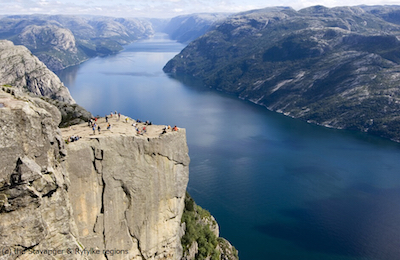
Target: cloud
159,8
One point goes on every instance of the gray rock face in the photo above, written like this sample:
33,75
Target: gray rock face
34,211
19,68
128,193
37,37
121,194
53,45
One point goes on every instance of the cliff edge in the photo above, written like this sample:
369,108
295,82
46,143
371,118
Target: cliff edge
110,195
128,190
121,195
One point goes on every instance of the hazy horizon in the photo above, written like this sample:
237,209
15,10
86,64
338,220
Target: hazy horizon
159,8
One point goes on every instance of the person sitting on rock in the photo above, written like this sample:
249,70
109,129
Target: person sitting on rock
108,126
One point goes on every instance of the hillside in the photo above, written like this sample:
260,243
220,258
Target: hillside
337,67
186,28
62,41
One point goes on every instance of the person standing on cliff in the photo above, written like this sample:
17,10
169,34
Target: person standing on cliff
98,129
94,130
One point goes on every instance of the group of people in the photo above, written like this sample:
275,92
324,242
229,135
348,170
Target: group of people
175,128
140,131
73,138
93,123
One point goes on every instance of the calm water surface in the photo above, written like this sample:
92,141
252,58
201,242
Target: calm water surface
279,188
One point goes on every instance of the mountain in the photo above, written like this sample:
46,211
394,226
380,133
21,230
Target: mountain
62,41
186,28
337,67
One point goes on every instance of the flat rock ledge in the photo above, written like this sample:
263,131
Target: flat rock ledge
124,125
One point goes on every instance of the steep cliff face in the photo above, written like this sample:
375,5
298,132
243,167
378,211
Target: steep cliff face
19,68
35,213
128,193
120,194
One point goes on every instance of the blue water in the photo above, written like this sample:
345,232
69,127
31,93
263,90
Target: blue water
279,188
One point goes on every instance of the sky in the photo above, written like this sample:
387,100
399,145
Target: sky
161,8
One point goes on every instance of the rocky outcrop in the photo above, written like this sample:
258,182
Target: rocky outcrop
20,69
129,193
117,196
35,213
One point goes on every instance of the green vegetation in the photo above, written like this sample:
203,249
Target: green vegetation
197,229
227,249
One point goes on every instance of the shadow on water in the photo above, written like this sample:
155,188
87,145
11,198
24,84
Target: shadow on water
360,222
189,81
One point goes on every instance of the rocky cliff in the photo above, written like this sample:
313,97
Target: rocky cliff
35,213
115,195
128,193
120,194
20,69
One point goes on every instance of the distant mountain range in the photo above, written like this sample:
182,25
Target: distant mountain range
186,28
338,67
62,41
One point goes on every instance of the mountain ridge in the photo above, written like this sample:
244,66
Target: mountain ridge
336,67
